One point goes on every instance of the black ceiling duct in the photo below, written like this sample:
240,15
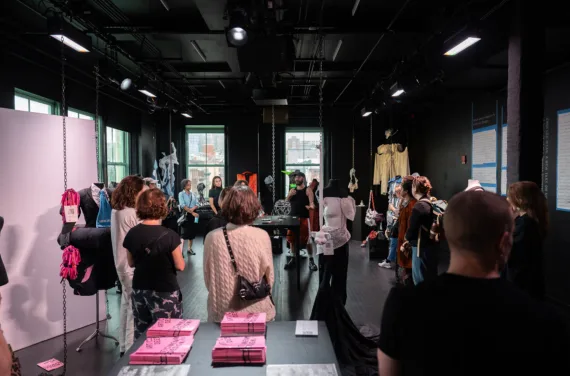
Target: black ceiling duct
270,97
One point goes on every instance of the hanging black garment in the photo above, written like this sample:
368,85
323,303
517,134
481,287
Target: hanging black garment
89,207
355,352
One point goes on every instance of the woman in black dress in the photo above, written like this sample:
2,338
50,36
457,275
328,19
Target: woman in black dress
525,265
214,194
188,204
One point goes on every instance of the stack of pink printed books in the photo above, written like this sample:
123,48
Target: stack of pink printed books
239,324
239,350
162,350
173,328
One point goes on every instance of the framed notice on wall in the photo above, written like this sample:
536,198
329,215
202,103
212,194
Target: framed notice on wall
563,162
484,145
504,160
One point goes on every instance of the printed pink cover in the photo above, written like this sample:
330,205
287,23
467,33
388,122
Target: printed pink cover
165,345
173,327
156,359
240,343
232,318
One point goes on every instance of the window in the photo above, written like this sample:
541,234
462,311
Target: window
79,114
24,101
206,152
303,153
117,155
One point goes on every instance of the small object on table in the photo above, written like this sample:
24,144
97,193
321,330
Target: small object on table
239,324
239,350
162,350
173,328
50,365
309,328
177,370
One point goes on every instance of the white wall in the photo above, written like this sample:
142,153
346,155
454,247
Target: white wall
31,185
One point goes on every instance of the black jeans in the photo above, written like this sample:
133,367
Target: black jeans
333,271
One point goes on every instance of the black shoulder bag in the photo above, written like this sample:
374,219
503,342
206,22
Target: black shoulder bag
246,289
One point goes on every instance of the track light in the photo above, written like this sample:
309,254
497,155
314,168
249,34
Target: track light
68,35
187,114
144,88
236,33
147,93
466,43
396,90
126,84
365,112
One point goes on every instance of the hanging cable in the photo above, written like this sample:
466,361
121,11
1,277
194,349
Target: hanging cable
63,116
273,149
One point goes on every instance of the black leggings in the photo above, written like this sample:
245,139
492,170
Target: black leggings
333,271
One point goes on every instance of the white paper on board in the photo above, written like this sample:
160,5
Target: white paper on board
563,162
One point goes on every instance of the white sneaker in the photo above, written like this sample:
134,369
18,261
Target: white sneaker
385,264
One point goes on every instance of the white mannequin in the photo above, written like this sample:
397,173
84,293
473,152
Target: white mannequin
474,185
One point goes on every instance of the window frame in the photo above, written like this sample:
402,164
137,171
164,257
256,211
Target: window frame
300,166
205,130
53,105
82,113
126,151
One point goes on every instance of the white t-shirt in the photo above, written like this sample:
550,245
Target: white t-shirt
121,222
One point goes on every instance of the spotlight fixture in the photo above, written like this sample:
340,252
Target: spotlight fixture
144,88
396,90
126,84
236,33
466,43
147,93
187,114
365,112
68,35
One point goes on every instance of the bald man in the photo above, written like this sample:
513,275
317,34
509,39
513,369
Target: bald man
468,321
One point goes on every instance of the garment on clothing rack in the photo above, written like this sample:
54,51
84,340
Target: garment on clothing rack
390,162
392,199
250,178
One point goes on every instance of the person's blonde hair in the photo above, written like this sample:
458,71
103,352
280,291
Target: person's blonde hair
527,196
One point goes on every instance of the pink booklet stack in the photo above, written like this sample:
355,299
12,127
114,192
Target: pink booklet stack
162,350
173,328
239,350
239,324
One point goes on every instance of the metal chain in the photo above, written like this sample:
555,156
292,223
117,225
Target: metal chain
273,148
63,116
353,146
371,143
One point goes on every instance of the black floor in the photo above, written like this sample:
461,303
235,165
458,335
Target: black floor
368,286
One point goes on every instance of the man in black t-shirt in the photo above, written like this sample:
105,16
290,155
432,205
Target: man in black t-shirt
469,321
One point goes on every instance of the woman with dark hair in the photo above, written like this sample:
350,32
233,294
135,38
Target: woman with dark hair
188,204
240,183
123,219
251,248
404,252
155,254
218,221
424,259
214,194
525,265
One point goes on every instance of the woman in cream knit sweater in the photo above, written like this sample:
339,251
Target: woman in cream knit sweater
252,251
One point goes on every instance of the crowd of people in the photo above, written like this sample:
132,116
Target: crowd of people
486,314
485,308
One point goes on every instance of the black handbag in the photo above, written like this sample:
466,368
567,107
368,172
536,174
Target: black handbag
246,289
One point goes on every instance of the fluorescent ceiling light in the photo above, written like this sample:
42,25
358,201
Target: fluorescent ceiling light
186,115
366,113
461,46
70,43
355,7
398,92
337,49
147,93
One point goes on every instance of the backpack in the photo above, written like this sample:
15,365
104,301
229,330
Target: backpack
104,215
438,208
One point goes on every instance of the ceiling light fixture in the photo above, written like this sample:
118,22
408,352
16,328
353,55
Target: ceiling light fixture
237,36
355,7
337,49
187,114
147,93
365,112
237,31
126,84
396,90
466,43
68,35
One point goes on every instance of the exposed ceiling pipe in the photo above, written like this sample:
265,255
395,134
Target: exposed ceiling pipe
198,50
396,16
165,5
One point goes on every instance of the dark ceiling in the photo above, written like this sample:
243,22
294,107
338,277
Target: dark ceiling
184,53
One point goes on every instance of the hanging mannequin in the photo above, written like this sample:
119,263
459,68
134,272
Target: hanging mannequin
89,202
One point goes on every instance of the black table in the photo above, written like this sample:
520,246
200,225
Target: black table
281,222
283,347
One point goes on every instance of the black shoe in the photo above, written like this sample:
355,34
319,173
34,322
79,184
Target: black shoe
312,266
191,252
290,264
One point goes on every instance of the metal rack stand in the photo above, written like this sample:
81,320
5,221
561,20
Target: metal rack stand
97,332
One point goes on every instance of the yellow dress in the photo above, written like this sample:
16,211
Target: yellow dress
390,162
